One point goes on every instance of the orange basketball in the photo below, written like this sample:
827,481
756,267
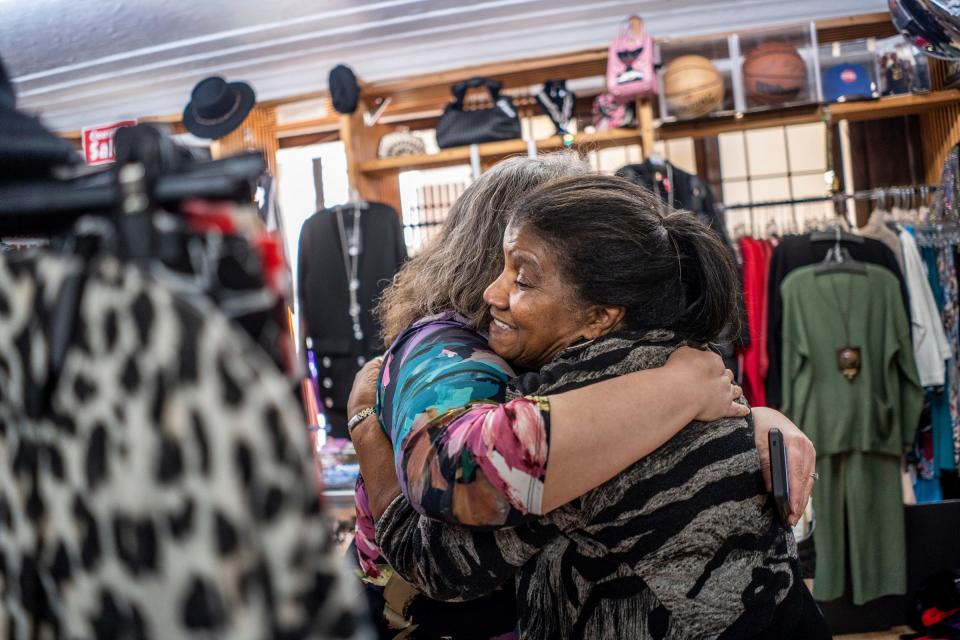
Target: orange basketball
774,73
692,86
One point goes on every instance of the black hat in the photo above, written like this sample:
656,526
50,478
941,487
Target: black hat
216,107
27,148
344,90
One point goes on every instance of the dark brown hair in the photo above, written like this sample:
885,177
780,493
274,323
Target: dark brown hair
467,255
619,245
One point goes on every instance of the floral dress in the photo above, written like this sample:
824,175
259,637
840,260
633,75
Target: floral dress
463,454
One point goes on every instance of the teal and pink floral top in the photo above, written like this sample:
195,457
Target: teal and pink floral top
463,453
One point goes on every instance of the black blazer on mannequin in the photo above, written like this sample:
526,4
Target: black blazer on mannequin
325,300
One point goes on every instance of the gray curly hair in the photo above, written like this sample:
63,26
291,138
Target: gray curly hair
451,273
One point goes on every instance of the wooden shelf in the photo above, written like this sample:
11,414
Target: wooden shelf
889,107
709,127
496,150
892,106
865,110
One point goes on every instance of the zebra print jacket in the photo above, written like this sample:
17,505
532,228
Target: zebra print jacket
683,544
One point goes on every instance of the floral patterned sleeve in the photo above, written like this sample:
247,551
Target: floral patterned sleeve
463,454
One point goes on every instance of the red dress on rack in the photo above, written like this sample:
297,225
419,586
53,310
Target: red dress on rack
756,268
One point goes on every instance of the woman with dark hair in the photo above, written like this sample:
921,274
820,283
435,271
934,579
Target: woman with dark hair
597,284
466,454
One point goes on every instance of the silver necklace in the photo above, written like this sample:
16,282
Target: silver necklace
849,356
351,262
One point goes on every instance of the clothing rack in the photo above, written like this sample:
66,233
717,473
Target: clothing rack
47,205
869,194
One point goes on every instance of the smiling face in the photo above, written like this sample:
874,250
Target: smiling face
536,310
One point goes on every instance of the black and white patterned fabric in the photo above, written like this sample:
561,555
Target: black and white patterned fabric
158,484
683,544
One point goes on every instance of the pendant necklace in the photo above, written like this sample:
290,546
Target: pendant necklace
849,361
350,246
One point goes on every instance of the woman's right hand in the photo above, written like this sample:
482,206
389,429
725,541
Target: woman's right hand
704,373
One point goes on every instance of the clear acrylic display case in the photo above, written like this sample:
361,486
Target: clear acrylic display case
848,70
902,67
773,79
716,49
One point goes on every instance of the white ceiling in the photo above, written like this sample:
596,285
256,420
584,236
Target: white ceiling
84,62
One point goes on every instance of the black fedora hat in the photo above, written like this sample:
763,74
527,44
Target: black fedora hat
217,107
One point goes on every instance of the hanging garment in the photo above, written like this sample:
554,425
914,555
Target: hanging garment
947,271
926,482
324,296
792,253
860,427
267,206
930,345
685,191
157,482
756,267
877,229
946,207
940,418
680,189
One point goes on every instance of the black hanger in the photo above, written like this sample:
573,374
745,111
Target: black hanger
834,233
655,161
838,259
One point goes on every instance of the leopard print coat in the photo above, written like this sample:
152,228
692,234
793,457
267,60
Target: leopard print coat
157,485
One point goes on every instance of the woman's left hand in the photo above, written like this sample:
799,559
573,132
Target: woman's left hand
374,451
375,456
801,456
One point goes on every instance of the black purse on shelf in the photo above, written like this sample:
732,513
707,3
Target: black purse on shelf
457,127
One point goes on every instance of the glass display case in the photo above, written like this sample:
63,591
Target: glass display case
776,67
902,67
849,70
696,78
725,74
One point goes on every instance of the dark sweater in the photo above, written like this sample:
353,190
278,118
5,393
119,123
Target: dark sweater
683,544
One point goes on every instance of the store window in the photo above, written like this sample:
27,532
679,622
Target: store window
775,164
425,198
297,170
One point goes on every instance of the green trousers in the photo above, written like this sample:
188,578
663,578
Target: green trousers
859,509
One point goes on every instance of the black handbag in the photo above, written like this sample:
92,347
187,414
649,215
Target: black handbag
458,127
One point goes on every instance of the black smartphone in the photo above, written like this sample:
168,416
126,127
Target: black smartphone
779,474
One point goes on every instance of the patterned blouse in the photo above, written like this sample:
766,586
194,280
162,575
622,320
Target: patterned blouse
463,454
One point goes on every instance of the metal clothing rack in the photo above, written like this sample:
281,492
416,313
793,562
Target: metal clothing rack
880,193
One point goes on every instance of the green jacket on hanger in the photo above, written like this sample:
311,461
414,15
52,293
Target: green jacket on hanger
861,414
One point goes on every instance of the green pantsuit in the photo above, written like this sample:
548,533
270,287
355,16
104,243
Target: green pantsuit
867,487
860,427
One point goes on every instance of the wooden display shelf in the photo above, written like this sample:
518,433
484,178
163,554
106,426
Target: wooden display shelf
709,127
889,107
892,106
494,150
